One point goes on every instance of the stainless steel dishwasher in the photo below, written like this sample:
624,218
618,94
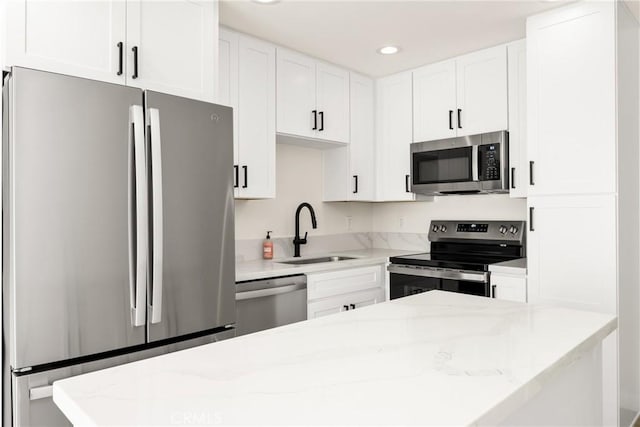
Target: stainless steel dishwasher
267,303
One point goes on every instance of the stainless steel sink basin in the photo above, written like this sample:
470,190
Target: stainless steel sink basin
317,260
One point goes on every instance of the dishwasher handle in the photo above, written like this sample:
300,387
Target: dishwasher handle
267,292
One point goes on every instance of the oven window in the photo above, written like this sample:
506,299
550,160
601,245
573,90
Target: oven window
402,285
452,165
462,287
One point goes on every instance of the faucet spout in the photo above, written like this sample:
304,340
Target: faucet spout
297,241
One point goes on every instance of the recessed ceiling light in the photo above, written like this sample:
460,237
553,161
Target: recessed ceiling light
266,1
388,50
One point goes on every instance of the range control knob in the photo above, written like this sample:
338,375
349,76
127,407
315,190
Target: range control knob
513,229
435,228
502,229
443,228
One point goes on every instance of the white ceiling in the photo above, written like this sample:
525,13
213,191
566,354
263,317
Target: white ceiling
348,32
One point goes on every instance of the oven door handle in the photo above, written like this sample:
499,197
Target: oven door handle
467,276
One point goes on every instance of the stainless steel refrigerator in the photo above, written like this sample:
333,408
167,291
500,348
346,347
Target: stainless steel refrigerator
118,231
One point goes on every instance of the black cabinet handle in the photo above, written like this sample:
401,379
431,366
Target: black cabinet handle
513,176
236,177
120,59
406,183
353,306
245,168
346,307
355,177
493,291
135,62
315,119
321,121
459,119
531,173
531,219
451,119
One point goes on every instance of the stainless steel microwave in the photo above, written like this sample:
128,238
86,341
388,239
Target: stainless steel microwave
464,165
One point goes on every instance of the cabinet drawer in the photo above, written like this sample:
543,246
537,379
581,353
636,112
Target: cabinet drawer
323,285
345,302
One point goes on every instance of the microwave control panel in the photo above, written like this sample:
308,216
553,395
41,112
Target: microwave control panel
489,162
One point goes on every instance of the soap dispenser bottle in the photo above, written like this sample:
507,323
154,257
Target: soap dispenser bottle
267,247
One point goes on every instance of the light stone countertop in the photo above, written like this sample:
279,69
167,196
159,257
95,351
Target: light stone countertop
516,267
262,269
435,358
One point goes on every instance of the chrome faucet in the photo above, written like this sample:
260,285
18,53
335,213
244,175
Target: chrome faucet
297,241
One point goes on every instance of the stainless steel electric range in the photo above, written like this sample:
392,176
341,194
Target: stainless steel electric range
461,252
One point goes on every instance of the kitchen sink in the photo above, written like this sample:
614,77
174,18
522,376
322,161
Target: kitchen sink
316,260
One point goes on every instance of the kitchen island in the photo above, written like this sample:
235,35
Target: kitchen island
436,358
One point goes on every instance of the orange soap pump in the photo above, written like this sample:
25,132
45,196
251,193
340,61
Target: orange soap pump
267,247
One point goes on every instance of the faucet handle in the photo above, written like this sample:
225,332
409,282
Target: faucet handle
306,233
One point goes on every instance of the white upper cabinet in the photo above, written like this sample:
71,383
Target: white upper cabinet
296,94
312,98
571,100
462,96
247,70
349,171
166,46
434,102
482,91
394,136
518,159
257,119
79,38
332,85
179,61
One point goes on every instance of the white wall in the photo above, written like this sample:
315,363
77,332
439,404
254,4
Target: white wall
414,217
298,179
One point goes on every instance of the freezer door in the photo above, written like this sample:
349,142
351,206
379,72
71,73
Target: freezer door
192,255
70,166
32,403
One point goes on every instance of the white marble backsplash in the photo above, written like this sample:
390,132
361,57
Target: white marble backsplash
251,249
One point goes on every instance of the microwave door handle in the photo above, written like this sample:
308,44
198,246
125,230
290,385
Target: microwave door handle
475,176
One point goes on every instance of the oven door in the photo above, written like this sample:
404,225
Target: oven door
405,280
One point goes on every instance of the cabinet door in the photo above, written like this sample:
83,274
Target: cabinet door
257,119
571,99
394,129
510,288
482,91
362,146
332,101
296,94
571,251
518,160
77,38
228,86
365,298
434,102
177,44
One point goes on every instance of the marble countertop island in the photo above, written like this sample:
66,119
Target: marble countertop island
436,358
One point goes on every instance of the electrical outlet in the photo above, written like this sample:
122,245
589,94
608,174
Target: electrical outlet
401,222
349,222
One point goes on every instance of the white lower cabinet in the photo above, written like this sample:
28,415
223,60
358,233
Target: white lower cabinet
509,287
342,290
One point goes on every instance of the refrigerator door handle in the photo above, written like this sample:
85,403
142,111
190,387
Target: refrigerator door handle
138,232
40,392
157,238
